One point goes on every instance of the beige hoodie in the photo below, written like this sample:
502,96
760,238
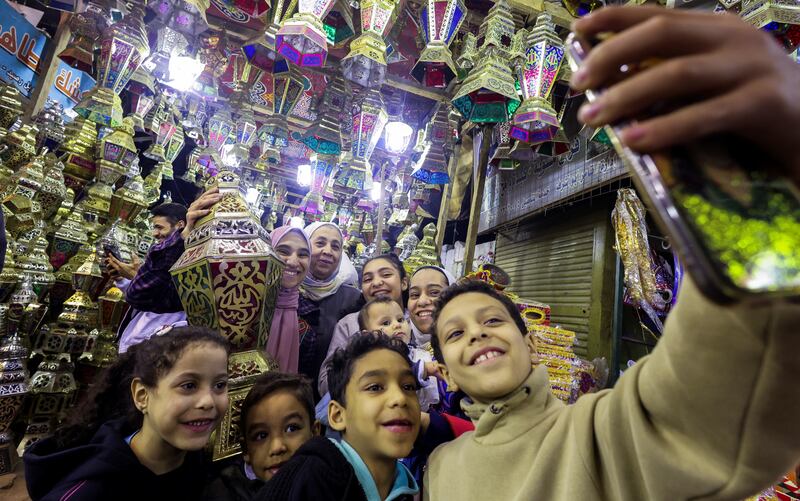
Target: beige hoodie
712,413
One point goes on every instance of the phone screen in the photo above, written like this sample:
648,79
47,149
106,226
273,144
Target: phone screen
747,220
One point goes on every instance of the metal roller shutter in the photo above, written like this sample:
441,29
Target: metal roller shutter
555,261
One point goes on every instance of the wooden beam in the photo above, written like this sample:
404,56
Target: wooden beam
430,93
441,222
478,183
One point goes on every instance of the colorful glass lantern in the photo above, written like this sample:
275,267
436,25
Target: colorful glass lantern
488,95
157,150
302,38
279,91
228,280
218,129
274,136
141,104
78,156
180,15
431,166
85,28
365,64
123,47
440,21
339,24
175,144
129,200
369,119
245,135
324,137
260,51
535,120
313,203
116,153
240,74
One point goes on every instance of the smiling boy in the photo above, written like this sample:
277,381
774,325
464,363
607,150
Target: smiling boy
699,418
374,406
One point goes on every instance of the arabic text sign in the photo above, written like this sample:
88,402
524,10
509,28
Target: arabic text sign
69,85
21,47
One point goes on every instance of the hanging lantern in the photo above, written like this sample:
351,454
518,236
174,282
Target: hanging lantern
302,39
78,156
123,47
261,51
228,280
535,120
274,136
440,21
116,153
338,24
431,166
245,136
324,136
369,119
179,15
500,151
175,144
141,104
85,27
488,94
240,74
157,149
280,90
365,64
128,201
168,42
313,203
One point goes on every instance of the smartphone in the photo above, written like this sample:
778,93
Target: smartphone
734,223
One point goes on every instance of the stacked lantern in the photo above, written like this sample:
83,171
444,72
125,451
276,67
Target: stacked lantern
302,39
228,280
218,128
542,54
123,47
369,119
261,51
488,94
313,204
365,64
440,21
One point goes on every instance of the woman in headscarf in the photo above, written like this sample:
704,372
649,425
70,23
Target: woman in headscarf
293,247
326,294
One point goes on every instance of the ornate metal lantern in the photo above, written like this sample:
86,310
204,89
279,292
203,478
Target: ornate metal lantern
439,20
433,143
261,51
535,120
488,94
302,39
325,137
228,280
123,47
369,119
157,150
365,64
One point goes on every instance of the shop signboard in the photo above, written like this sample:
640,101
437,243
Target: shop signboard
69,85
21,48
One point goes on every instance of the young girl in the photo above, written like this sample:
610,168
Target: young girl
425,286
141,432
382,275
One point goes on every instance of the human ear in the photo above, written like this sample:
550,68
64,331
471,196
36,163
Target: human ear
337,416
316,428
404,284
246,458
451,384
140,395
530,341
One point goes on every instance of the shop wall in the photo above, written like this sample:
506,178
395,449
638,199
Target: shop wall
565,258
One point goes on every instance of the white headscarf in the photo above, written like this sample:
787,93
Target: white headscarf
345,272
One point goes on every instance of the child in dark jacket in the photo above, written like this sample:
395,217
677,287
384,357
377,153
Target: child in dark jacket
276,420
141,433
375,407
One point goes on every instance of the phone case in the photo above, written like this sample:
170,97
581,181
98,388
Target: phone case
651,176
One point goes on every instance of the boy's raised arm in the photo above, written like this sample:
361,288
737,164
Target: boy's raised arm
711,414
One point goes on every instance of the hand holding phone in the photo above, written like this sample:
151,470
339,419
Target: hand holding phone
735,223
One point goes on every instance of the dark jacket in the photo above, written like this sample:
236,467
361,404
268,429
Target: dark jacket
106,468
318,471
322,317
231,484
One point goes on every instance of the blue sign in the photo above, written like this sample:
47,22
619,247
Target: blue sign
69,86
21,47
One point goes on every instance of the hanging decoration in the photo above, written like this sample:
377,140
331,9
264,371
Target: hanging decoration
365,64
369,119
538,63
488,94
440,20
123,47
261,51
302,38
434,145
324,137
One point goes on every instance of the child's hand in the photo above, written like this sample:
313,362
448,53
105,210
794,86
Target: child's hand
432,370
742,80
